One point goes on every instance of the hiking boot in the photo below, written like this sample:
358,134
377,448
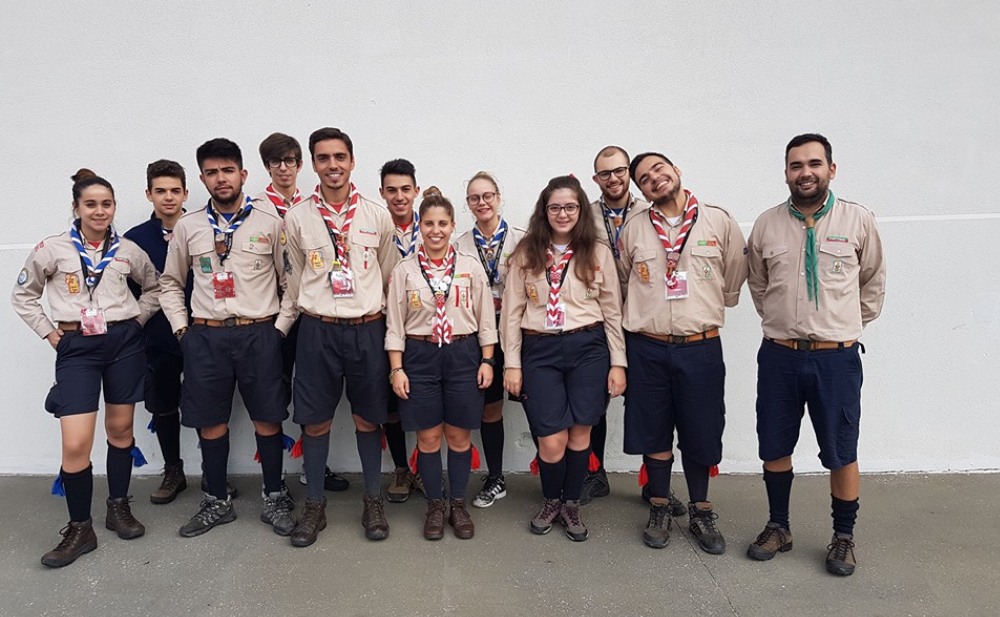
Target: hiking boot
174,481
460,520
211,512
701,523
231,491
277,511
542,523
434,521
373,518
677,509
121,521
494,488
77,539
770,542
657,532
312,522
331,481
570,518
401,486
596,485
840,558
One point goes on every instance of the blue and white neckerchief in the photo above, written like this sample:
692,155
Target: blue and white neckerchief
489,251
224,239
413,237
92,273
617,215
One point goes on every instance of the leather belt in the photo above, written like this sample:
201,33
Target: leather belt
682,339
807,345
346,321
428,338
561,332
230,322
73,326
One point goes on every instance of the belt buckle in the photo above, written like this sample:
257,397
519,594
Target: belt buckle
803,345
677,339
229,322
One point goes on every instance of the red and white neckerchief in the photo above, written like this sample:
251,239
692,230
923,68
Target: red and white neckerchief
555,272
674,249
339,236
279,200
441,328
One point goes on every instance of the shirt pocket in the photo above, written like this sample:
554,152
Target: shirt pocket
69,279
587,293
705,263
781,267
203,256
364,254
461,292
838,261
537,290
418,294
645,267
116,276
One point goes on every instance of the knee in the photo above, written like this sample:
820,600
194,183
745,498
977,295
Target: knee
429,441
459,440
364,426
213,432
779,465
266,429
318,430
493,412
76,448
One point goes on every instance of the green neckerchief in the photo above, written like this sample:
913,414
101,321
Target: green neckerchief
812,276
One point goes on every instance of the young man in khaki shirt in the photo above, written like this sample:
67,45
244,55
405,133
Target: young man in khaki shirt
817,277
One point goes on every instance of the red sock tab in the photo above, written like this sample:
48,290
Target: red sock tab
475,458
643,476
385,444
413,462
713,471
594,463
534,466
256,456
297,448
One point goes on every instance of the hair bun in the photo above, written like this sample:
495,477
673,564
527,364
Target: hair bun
82,174
432,190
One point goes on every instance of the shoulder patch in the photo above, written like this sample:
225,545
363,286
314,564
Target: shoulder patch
22,278
39,245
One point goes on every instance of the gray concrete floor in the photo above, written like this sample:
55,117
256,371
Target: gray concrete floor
927,545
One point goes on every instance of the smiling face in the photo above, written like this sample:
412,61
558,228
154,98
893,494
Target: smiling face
483,200
611,175
436,228
333,163
562,211
399,192
808,173
167,194
96,211
659,181
223,178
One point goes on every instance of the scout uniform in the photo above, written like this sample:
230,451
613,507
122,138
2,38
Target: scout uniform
609,222
406,240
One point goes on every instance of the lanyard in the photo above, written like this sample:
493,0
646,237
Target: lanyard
413,237
673,249
338,236
617,214
279,201
490,252
224,239
93,274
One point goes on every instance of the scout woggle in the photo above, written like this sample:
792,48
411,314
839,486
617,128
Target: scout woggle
224,239
673,249
441,328
94,273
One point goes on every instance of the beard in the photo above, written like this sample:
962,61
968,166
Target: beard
813,196
229,201
669,198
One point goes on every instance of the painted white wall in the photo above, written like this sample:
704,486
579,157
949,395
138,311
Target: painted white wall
906,91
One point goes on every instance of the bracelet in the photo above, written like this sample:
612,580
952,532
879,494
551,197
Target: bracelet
180,332
393,372
489,361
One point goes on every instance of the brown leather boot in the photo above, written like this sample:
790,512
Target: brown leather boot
174,481
312,522
373,518
434,523
78,538
121,521
460,520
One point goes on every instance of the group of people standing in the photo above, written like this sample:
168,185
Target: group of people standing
593,300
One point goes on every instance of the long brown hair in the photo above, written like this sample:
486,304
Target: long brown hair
531,251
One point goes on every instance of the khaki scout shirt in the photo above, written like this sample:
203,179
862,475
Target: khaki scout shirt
411,307
600,217
851,271
467,243
54,266
255,261
311,254
404,236
714,259
526,294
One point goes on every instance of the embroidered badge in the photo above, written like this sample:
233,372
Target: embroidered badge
258,264
838,266
708,243
22,278
316,260
260,239
415,299
837,239
643,269
706,272
533,293
283,238
367,231
123,260
72,283
205,263
39,245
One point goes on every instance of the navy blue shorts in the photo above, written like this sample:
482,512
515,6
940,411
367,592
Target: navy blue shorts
443,385
496,392
163,381
116,361
675,387
216,360
328,354
288,350
828,381
564,379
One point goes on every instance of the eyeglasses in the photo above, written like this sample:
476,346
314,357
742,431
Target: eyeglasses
619,172
486,198
289,161
555,209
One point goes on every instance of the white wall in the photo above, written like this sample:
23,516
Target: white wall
905,91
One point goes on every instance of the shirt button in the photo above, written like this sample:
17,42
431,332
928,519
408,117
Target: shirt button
802,273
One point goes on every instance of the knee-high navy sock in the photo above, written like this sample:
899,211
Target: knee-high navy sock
493,439
315,451
79,488
576,473
696,476
779,492
458,472
429,468
553,477
168,434
845,513
214,464
658,473
599,438
119,464
395,439
271,458
370,452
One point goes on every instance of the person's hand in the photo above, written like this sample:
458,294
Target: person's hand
401,385
512,381
485,376
54,337
616,381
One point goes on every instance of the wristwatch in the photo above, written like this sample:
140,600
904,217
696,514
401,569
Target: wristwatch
181,332
489,361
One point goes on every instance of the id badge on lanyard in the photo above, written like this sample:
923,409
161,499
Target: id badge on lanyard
92,322
556,320
224,285
342,283
678,288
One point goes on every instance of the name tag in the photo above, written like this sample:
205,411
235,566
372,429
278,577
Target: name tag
92,322
224,285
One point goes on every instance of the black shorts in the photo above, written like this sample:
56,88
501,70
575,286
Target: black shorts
443,385
328,354
216,360
163,381
116,361
675,387
564,379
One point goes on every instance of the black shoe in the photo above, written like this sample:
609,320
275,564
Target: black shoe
657,532
331,482
230,489
78,539
211,512
677,509
840,556
596,485
277,511
702,525
121,521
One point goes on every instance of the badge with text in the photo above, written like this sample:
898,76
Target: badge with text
677,286
415,299
92,322
555,318
342,283
316,260
224,284
72,283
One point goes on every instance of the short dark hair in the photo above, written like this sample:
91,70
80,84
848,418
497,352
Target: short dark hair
635,162
278,145
609,151
326,133
84,178
399,167
805,138
165,169
219,148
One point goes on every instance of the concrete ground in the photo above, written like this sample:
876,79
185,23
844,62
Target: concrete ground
927,545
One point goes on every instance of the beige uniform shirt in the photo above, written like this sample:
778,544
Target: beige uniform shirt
255,261
601,217
851,270
411,306
311,255
406,238
467,243
526,294
714,259
54,267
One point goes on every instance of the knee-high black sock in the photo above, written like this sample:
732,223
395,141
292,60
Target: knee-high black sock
315,451
214,464
458,472
395,438
696,476
79,488
119,470
599,438
493,438
576,473
779,492
658,473
429,467
271,459
168,433
845,513
370,452
553,477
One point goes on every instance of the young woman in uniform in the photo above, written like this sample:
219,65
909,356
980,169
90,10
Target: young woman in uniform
95,326
491,239
561,332
440,337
